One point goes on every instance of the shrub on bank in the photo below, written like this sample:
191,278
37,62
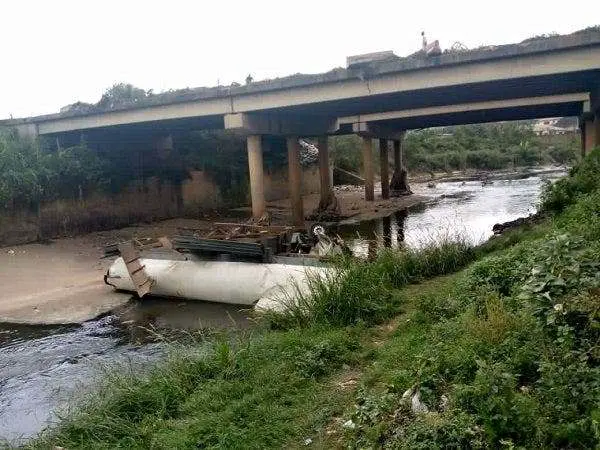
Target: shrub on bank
583,217
583,179
402,267
515,357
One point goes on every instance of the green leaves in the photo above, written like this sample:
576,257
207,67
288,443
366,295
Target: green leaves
31,174
582,180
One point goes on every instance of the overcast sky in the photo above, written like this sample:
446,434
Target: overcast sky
58,52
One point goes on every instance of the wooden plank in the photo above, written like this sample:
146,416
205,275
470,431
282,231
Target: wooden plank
131,256
254,225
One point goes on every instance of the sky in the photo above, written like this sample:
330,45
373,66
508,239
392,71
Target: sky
58,52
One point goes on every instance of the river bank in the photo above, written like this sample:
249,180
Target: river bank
447,346
481,175
134,326
61,281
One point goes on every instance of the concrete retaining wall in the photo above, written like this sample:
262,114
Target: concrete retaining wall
140,202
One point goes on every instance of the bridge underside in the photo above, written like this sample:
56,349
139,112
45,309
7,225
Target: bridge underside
380,104
478,116
508,100
570,83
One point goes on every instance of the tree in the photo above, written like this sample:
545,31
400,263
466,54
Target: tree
121,94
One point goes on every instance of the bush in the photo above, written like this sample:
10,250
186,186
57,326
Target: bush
501,409
452,429
583,179
499,272
31,174
583,217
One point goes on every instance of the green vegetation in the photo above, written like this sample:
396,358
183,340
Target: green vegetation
31,175
503,353
248,393
482,147
582,181
37,170
488,147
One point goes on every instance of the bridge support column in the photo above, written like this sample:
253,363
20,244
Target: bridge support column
326,191
367,151
295,180
399,184
590,133
384,166
397,155
255,165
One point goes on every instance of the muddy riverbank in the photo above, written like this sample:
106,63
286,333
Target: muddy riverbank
62,281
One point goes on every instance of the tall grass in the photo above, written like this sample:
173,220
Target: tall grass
363,292
354,292
402,267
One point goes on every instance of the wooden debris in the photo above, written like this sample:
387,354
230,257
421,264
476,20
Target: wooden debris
131,256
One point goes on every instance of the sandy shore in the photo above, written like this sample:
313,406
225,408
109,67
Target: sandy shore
55,283
62,281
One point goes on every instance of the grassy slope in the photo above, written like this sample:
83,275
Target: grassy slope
503,353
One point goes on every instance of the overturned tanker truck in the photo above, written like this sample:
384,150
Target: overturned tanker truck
267,274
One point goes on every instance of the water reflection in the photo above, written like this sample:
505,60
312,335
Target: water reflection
386,223
154,317
461,209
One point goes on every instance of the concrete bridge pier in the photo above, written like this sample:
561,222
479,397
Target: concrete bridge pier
326,194
295,180
255,166
384,166
397,155
399,185
367,154
590,132
254,126
369,131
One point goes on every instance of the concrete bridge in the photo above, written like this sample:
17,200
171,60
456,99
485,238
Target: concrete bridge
378,98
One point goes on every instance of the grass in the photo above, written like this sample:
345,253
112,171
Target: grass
251,391
501,342
363,292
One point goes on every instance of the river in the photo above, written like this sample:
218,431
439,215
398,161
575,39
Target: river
42,369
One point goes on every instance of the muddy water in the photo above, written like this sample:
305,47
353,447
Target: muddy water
466,210
42,369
